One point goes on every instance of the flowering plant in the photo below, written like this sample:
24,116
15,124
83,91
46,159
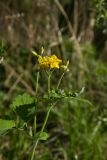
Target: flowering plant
49,61
24,106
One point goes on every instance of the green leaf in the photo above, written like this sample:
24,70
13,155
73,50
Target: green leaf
6,125
35,53
24,105
44,136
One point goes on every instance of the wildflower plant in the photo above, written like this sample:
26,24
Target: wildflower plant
24,106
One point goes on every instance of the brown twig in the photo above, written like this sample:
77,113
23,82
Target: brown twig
14,16
1,60
16,75
13,87
75,16
77,48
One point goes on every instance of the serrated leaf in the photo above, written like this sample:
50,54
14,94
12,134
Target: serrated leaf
6,125
24,105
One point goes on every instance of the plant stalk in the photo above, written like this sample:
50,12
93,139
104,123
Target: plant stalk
60,80
37,80
49,83
42,129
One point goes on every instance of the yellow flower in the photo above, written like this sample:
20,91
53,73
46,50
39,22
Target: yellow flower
49,61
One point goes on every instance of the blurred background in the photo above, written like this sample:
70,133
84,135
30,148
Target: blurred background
74,30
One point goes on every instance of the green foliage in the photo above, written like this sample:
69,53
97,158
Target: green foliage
77,128
82,126
5,125
24,106
2,49
101,70
42,136
101,9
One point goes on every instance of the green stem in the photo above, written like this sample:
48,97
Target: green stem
37,80
60,79
49,85
42,129
35,125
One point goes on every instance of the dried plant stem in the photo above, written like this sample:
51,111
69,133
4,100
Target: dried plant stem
1,60
77,48
16,75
